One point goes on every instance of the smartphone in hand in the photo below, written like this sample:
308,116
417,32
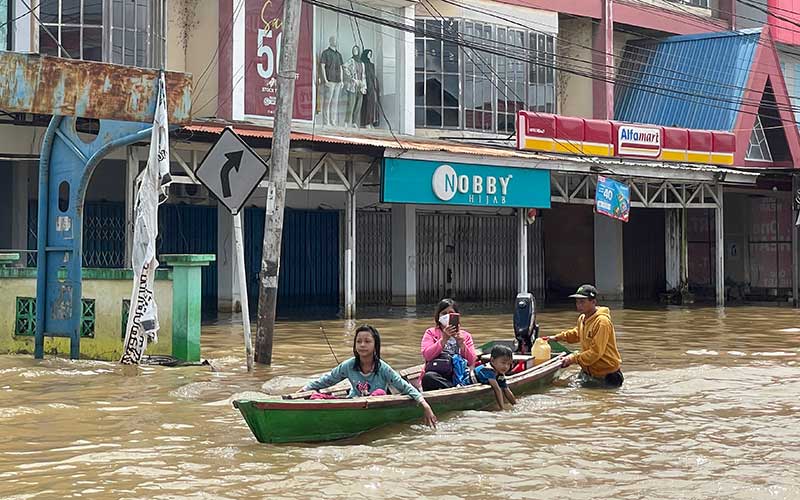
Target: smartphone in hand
455,319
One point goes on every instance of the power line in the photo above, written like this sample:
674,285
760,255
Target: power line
692,79
674,93
46,29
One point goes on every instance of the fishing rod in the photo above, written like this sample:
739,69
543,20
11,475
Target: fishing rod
322,328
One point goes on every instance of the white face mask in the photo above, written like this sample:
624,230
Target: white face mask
444,320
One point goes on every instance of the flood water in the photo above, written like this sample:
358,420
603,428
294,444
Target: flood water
710,409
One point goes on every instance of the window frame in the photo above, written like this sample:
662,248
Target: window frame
151,32
500,90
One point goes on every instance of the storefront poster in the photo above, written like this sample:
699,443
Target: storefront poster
440,183
263,19
613,199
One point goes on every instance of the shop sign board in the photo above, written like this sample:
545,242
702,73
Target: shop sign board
639,141
613,199
450,183
263,34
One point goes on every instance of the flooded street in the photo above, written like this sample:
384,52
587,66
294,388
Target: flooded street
709,409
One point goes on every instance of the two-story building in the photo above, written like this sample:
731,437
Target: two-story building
414,85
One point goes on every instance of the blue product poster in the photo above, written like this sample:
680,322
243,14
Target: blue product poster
613,199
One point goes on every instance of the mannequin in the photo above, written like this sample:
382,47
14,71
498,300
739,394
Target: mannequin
370,109
331,73
355,84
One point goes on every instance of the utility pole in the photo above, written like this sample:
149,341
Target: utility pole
279,164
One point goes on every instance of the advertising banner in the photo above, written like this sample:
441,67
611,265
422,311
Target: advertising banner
613,199
263,19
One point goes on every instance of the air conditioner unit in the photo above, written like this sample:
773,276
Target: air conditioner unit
190,191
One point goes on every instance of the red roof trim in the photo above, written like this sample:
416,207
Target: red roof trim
766,65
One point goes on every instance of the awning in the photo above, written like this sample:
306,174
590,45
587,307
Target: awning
456,151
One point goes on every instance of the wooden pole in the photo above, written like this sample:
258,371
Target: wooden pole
273,223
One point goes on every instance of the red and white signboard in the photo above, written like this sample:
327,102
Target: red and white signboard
259,61
638,141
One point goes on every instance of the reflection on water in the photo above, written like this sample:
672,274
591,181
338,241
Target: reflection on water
708,410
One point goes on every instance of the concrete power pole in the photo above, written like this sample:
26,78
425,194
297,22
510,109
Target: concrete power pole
273,223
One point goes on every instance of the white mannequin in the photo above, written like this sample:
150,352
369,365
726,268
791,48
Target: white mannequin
355,85
331,72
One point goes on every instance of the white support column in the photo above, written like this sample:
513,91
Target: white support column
229,296
404,255
522,254
720,247
406,78
350,247
608,258
131,172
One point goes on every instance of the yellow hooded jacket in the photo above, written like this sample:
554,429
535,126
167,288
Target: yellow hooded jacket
599,355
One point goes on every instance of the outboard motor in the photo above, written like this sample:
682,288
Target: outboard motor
525,328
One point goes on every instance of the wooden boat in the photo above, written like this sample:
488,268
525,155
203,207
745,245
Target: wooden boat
293,418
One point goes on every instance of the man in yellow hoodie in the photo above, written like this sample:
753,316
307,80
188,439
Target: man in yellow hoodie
598,357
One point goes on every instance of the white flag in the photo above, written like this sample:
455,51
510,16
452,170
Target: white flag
142,327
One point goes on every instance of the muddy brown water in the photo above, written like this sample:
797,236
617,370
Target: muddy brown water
710,409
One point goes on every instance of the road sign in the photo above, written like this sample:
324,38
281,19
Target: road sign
231,170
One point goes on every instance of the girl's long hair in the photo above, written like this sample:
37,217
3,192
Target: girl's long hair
443,304
376,356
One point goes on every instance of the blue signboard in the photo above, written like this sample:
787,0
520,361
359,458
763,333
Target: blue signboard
440,183
613,199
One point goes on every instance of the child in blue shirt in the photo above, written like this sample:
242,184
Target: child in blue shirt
494,372
369,374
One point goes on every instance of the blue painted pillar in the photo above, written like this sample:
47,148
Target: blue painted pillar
65,167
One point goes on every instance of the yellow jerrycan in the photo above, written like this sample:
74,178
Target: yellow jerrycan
541,352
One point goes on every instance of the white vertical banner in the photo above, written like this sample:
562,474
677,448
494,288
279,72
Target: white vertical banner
142,327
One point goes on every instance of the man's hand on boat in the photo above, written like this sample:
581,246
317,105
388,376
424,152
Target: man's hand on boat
429,417
568,361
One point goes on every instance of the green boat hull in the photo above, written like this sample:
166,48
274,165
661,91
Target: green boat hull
302,420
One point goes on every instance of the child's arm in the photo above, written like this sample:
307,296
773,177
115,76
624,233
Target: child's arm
498,393
509,396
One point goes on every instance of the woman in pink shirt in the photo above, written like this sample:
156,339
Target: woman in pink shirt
440,343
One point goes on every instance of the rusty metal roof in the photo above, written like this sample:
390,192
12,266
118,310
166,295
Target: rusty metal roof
32,83
352,139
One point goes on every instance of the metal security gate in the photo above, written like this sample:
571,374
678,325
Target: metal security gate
537,279
103,234
644,255
374,258
191,229
309,273
468,257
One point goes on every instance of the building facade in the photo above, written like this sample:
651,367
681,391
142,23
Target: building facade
436,82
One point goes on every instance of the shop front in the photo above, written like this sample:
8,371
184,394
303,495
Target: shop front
350,71
464,229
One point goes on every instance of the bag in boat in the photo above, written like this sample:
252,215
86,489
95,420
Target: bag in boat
442,364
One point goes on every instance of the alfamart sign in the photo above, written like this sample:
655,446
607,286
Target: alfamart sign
605,139
435,183
639,141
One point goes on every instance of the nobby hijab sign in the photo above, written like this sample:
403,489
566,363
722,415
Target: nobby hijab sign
435,183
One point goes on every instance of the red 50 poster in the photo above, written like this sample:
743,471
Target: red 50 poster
263,34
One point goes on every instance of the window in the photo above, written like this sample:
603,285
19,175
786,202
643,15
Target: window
363,63
758,150
694,3
466,88
437,76
5,18
134,37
